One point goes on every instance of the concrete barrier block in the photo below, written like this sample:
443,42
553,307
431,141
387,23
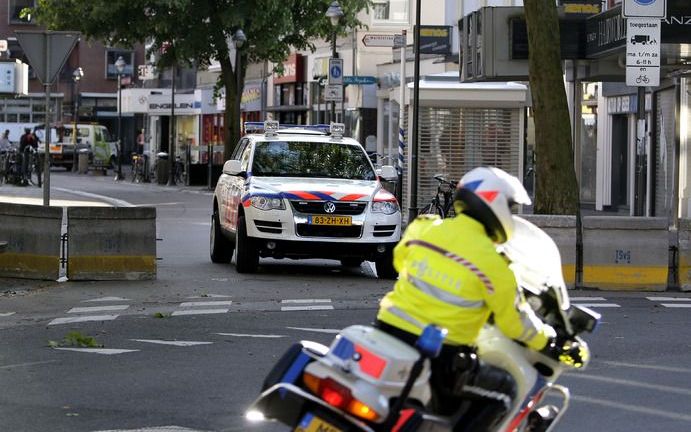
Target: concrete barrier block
625,253
562,229
685,254
111,243
32,233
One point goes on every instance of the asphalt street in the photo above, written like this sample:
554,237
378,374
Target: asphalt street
189,350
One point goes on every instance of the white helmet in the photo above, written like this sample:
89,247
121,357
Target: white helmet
486,194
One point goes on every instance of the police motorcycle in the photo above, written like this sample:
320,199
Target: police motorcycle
368,380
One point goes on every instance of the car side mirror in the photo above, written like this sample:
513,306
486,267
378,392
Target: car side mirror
233,167
388,173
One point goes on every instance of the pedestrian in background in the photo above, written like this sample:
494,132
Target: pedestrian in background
5,143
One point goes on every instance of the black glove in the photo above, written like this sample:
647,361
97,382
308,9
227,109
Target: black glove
571,353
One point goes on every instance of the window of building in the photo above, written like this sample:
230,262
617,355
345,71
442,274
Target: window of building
390,11
112,56
15,11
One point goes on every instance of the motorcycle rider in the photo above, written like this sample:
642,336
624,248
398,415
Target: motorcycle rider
451,275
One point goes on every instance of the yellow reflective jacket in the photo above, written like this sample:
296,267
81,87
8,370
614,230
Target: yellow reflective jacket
451,275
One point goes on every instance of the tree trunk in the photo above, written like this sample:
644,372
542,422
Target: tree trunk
556,189
231,124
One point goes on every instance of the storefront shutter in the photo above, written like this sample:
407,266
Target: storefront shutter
452,141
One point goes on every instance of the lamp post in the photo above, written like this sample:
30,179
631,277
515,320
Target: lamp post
239,40
77,75
334,13
120,68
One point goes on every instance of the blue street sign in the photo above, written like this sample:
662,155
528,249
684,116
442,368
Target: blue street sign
359,80
336,71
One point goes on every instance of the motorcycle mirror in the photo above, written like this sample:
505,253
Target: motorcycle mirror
431,340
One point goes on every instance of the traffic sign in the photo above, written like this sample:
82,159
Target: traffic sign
3,45
644,8
359,80
383,40
46,50
336,71
333,93
643,52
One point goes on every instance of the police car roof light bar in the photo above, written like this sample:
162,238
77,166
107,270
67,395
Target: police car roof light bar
260,127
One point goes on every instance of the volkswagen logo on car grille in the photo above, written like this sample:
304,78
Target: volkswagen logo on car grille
329,207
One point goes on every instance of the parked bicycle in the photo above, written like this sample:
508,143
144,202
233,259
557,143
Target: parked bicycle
34,167
442,202
138,168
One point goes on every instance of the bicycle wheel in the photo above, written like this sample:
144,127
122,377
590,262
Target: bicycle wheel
35,173
432,208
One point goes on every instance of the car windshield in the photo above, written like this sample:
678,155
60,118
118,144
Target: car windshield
311,159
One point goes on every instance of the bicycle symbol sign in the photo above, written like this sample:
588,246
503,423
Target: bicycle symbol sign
335,71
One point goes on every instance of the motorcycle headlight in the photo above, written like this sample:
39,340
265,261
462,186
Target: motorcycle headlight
386,207
265,203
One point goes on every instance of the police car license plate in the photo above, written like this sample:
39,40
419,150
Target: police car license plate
312,423
330,220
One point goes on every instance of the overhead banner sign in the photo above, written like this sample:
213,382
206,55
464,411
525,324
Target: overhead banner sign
643,52
435,40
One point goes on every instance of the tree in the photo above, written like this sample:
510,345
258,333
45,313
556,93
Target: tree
556,189
197,31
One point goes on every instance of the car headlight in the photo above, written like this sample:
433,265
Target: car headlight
386,207
265,203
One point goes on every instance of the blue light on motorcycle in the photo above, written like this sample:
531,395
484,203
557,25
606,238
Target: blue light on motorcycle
431,340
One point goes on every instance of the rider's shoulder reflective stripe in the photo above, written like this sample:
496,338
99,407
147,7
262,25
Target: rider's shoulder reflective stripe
443,295
456,258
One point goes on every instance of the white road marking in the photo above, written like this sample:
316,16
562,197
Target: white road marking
635,408
113,201
318,330
199,312
174,343
68,320
206,303
155,429
670,299
104,351
106,299
654,367
307,301
268,336
6,314
618,381
305,308
91,309
598,305
575,299
676,305
26,364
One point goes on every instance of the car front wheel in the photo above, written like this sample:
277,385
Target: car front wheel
220,247
246,253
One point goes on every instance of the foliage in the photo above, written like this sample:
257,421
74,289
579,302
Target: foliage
199,30
76,339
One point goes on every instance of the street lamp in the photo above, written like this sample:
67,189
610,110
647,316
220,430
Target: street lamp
77,75
334,13
120,68
239,40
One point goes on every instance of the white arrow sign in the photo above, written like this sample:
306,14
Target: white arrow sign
383,40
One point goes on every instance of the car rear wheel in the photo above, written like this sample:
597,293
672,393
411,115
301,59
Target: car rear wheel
221,248
246,253
384,265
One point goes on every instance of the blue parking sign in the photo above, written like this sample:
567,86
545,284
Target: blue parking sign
335,71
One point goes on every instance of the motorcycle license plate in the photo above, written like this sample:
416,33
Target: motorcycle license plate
312,423
330,220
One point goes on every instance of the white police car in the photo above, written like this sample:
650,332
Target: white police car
303,193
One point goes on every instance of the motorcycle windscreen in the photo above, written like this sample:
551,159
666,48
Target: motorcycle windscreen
535,260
